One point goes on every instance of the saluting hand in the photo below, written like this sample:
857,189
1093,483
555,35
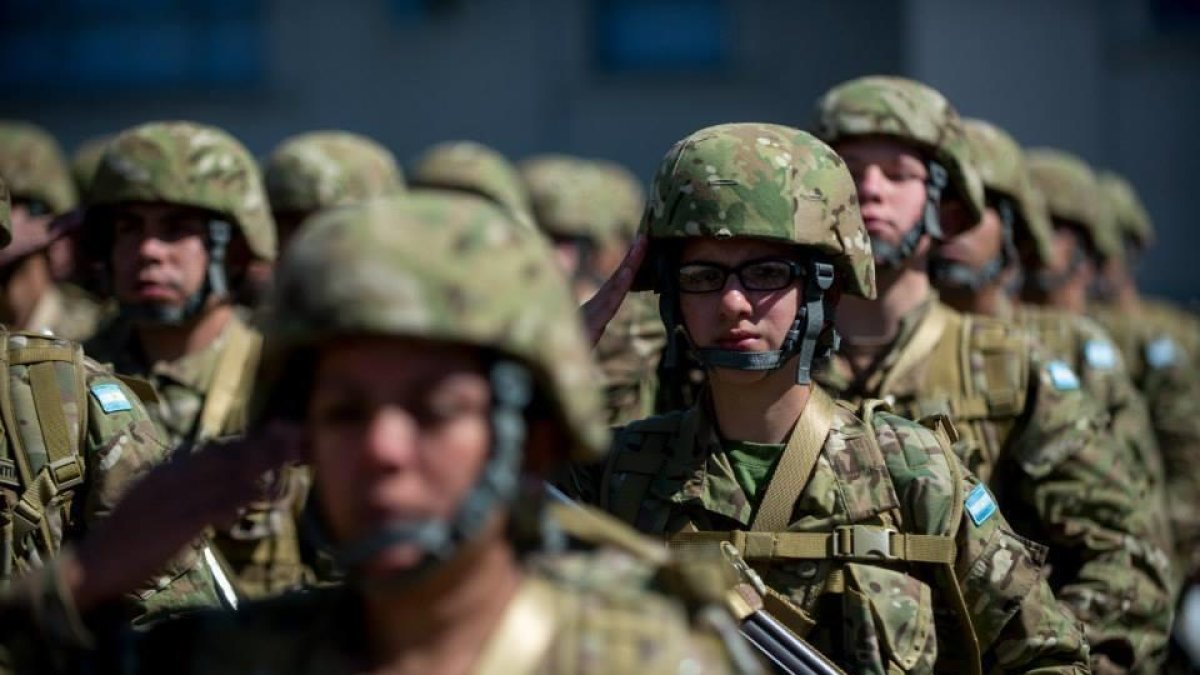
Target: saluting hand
601,307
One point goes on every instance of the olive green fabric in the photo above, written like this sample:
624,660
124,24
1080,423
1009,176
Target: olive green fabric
187,164
1000,162
752,464
906,110
477,278
765,181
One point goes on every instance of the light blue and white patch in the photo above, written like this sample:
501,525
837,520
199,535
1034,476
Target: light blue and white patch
111,398
1061,376
980,505
1161,353
1100,354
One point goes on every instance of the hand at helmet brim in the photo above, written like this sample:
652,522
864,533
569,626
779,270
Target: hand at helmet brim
601,307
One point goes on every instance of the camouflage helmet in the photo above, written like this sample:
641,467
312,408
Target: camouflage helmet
476,279
321,169
33,165
85,161
910,112
766,181
625,198
576,197
1132,218
472,167
187,164
1072,193
1000,162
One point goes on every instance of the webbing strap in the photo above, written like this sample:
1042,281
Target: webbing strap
922,343
519,644
796,465
41,354
848,542
232,369
58,439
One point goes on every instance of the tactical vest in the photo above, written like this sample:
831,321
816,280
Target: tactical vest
976,373
44,408
852,567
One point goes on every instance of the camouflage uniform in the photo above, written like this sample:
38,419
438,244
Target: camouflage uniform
76,437
1025,427
834,529
581,200
203,395
1160,368
323,169
354,271
33,165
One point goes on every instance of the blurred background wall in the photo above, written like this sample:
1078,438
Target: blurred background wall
1116,81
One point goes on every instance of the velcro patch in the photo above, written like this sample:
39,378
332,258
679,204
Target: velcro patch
980,505
1062,377
1161,353
111,398
1100,354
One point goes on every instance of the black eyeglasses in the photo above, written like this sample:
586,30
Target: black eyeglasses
771,274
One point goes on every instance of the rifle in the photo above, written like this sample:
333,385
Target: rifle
786,652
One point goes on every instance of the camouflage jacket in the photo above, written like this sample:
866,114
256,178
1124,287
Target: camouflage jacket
1166,375
1030,431
628,353
668,475
67,312
584,612
262,547
118,445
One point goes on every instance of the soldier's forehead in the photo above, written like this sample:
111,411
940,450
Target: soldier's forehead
878,148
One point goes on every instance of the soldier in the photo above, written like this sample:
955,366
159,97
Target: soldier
861,523
75,438
1160,368
429,421
43,196
585,209
1025,426
176,211
85,161
322,169
474,168
969,267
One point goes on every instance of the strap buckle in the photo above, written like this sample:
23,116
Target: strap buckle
67,472
863,542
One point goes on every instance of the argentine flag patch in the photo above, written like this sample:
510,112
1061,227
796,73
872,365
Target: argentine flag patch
1100,354
1062,377
1161,353
111,398
980,505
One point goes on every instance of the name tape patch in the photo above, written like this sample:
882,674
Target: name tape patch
1161,353
1062,377
980,505
1100,354
111,398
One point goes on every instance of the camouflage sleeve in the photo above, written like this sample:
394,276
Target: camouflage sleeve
1020,626
1172,393
122,445
1070,486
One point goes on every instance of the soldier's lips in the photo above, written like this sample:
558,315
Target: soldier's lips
739,343
150,291
876,226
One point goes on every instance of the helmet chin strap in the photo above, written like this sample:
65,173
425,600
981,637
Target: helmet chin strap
947,273
803,338
893,256
216,284
440,539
